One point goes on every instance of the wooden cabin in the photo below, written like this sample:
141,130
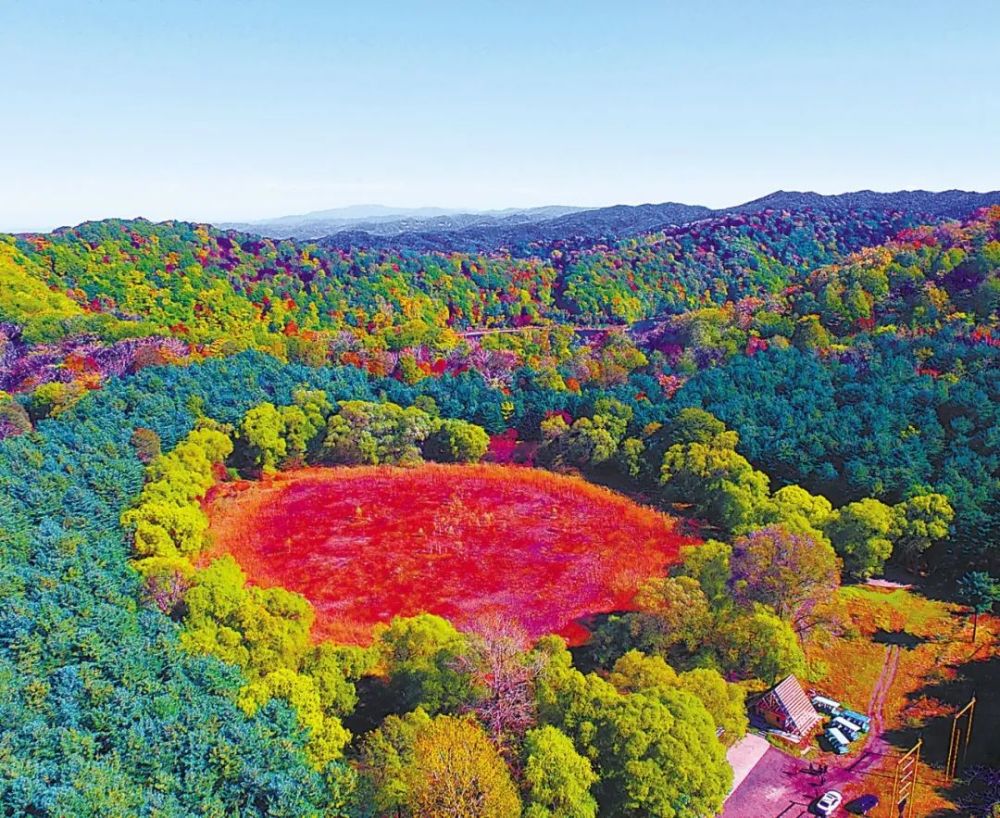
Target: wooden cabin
786,707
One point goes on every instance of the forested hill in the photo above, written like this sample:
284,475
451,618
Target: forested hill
826,384
204,284
948,203
856,353
521,236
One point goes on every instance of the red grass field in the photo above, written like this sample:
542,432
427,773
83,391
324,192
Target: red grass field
464,542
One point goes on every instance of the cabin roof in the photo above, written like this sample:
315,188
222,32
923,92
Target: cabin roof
789,696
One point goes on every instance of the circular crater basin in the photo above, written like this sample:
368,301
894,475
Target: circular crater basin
469,542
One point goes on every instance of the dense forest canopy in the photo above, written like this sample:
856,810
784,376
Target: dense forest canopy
852,352
814,393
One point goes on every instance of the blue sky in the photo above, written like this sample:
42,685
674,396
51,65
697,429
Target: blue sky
234,110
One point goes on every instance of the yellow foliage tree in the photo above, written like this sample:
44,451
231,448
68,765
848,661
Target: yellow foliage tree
260,629
167,522
457,773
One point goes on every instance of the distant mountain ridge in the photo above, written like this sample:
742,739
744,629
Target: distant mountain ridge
425,229
952,203
616,221
380,220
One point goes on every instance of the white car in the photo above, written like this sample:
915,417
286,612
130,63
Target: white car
829,802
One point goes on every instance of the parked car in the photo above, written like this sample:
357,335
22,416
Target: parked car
848,728
859,719
836,741
829,802
862,805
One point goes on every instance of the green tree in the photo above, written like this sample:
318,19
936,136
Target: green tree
921,521
261,436
327,736
708,563
260,629
386,755
714,479
557,779
656,753
635,672
585,444
424,657
694,425
457,441
375,433
810,334
724,701
979,591
861,533
305,433
167,522
659,757
680,613
630,459
801,512
759,645
335,669
614,416
297,432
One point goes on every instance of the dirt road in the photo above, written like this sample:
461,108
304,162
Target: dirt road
578,328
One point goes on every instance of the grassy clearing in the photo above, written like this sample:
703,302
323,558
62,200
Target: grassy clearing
465,542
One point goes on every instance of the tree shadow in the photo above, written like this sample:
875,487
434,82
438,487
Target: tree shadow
795,809
375,703
972,677
903,639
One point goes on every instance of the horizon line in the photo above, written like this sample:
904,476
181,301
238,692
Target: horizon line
457,211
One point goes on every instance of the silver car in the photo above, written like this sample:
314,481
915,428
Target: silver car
828,804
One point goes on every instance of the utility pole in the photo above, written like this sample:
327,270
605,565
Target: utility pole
959,738
904,782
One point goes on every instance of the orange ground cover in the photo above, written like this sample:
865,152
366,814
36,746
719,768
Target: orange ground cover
366,544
